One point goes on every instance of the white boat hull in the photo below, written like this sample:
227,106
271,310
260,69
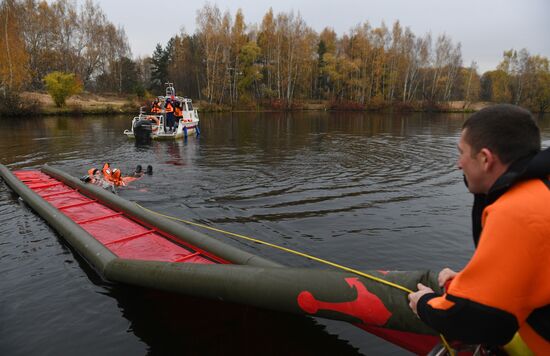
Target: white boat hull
159,133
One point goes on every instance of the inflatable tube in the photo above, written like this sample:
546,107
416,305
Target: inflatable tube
93,251
177,230
373,306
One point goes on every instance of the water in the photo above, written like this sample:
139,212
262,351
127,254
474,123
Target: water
367,191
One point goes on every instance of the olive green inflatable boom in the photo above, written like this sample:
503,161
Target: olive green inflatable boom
125,243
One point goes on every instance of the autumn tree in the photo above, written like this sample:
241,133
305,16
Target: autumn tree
61,85
61,36
470,81
185,65
536,88
266,42
13,56
251,74
41,35
541,93
210,32
295,48
495,86
238,40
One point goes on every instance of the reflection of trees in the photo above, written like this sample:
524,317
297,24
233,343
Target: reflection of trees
52,137
290,131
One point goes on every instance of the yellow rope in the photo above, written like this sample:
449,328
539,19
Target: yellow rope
347,269
362,274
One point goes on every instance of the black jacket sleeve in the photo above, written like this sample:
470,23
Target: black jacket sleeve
468,321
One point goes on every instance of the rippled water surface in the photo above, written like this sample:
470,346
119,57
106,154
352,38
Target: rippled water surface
367,191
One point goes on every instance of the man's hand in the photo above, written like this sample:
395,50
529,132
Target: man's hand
445,275
415,296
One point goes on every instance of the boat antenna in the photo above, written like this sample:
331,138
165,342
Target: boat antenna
170,90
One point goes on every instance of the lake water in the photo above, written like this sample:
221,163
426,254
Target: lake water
368,191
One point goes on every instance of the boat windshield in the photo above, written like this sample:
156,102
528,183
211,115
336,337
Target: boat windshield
189,106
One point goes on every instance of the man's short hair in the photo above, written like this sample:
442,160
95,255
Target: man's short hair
507,130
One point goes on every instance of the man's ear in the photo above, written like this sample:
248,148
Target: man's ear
488,158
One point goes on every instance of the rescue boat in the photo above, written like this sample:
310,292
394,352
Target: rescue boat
126,243
148,126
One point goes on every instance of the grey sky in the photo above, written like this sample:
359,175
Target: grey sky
484,27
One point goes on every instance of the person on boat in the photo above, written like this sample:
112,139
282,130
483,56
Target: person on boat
155,106
178,113
502,297
169,109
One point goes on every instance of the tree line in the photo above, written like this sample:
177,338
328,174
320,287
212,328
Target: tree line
38,38
280,62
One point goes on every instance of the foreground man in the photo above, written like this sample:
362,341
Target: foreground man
504,290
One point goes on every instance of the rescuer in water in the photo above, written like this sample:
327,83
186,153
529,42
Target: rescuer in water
112,177
501,299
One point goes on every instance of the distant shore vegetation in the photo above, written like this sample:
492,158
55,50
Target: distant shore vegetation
278,64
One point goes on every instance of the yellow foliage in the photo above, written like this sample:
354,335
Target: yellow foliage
62,85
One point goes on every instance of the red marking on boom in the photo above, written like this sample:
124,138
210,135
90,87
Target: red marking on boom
367,306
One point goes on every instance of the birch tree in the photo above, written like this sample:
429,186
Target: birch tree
13,56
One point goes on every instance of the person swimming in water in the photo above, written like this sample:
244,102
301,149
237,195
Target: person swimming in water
109,177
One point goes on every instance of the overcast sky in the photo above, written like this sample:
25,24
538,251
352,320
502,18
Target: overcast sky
485,28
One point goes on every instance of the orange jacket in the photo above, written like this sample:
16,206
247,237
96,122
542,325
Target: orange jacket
507,278
169,108
92,171
112,175
155,107
106,170
177,112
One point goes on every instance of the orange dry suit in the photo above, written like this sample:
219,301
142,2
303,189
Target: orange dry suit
112,176
505,288
106,170
92,171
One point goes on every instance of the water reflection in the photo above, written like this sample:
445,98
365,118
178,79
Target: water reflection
168,324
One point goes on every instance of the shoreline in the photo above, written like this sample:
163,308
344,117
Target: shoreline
41,104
